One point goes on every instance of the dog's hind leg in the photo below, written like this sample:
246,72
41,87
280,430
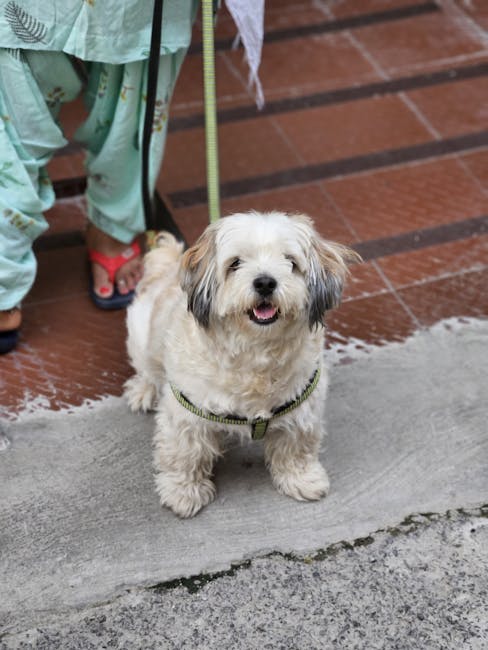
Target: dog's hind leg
184,458
141,390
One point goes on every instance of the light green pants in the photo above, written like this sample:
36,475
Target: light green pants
33,85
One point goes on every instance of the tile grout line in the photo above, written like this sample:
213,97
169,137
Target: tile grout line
415,110
323,189
466,23
357,45
466,168
421,118
279,130
362,49
235,73
398,298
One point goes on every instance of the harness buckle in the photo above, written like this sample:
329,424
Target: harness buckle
259,428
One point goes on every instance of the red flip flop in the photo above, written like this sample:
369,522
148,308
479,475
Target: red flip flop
112,265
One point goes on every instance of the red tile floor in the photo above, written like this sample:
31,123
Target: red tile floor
375,124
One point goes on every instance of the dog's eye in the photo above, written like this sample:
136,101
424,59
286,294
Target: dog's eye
294,265
235,264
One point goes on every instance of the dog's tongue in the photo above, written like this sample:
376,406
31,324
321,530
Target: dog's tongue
264,312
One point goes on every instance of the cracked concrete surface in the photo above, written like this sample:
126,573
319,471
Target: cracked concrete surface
80,522
419,586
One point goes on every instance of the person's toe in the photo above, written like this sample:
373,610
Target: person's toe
128,276
123,286
104,291
101,284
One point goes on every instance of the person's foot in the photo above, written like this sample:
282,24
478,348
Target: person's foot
126,277
10,319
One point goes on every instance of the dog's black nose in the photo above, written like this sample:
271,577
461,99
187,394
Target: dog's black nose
265,285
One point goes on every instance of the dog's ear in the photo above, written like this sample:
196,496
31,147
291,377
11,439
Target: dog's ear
328,270
198,276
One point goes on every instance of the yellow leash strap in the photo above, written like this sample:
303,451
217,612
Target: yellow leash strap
210,111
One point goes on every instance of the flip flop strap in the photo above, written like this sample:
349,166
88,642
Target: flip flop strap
113,264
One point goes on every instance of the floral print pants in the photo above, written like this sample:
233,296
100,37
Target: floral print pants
33,86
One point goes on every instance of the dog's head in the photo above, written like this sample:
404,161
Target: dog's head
264,269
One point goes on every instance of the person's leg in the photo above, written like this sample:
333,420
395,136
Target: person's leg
115,96
32,86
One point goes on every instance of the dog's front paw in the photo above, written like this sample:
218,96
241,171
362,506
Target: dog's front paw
140,393
184,497
305,484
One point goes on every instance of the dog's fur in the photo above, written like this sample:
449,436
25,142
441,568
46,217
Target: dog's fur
234,324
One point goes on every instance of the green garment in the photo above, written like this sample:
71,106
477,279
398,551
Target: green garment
108,31
35,81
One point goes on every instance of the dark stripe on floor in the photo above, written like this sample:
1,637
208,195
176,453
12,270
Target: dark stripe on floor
341,95
369,250
418,239
67,239
331,26
163,221
333,168
325,98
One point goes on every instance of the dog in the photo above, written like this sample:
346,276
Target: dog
226,338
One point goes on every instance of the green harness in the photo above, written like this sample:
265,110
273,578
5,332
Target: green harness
258,426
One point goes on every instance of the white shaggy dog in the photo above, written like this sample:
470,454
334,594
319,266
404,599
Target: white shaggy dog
225,338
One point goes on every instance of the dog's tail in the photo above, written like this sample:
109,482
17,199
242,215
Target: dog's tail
162,261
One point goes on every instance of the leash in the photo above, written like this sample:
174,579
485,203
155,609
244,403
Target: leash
152,86
210,115
211,143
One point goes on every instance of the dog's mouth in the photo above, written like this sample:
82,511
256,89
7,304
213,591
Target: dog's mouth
264,313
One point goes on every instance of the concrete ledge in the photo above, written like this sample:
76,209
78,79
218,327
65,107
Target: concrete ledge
80,522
